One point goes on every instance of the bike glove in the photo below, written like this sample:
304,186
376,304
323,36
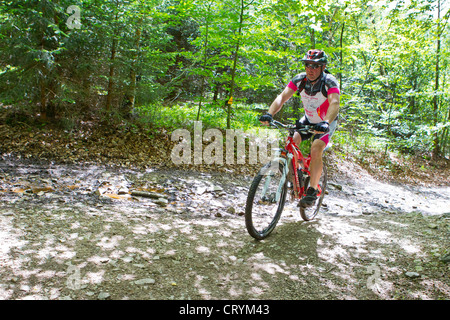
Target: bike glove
322,126
266,117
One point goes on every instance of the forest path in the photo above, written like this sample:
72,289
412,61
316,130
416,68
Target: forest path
93,232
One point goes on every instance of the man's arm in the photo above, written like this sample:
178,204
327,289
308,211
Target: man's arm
332,112
278,103
333,109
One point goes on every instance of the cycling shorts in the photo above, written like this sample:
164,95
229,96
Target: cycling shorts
326,137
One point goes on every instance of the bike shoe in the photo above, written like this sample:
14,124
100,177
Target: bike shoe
310,198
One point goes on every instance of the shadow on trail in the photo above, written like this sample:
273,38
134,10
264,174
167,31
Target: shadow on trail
75,244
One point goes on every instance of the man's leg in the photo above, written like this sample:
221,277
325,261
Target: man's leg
316,165
315,169
297,138
317,148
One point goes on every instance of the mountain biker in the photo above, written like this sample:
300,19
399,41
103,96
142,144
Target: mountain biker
319,93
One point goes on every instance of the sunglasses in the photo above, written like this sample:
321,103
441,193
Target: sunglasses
312,66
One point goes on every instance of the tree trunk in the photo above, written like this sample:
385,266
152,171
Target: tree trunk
112,62
341,62
436,152
233,71
205,60
111,75
43,95
130,97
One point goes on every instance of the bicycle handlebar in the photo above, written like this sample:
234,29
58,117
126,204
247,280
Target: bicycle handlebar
301,127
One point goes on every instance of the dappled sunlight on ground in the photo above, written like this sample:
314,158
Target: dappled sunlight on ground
78,248
330,258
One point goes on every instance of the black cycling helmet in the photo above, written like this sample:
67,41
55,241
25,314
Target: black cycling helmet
316,56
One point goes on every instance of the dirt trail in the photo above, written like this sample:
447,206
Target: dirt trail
87,232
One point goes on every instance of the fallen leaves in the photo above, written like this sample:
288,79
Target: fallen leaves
94,143
124,145
42,189
117,196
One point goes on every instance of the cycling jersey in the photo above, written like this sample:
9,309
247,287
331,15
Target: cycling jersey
315,97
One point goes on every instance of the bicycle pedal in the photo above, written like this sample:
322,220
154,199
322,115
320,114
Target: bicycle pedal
304,205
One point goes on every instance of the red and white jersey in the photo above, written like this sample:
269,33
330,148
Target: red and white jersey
315,97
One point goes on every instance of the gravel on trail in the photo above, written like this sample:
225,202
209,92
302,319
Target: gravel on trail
90,232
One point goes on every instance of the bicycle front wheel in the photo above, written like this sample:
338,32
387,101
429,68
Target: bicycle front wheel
310,213
265,200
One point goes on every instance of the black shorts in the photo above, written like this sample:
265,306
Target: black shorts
325,137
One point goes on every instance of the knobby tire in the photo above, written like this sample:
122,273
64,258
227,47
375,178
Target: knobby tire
310,213
262,215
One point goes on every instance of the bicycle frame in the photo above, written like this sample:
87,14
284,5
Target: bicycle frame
297,158
267,194
292,152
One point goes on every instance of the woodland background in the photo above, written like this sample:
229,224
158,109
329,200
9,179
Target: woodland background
162,64
92,90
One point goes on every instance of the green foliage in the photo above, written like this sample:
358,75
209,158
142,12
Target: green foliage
174,60
183,116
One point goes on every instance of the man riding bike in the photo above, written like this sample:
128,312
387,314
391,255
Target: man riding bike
319,92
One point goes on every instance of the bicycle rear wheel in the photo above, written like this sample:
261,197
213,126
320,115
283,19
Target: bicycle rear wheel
310,213
265,200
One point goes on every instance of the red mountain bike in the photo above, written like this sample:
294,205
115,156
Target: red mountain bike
270,187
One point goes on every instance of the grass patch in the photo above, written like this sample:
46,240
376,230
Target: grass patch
183,115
